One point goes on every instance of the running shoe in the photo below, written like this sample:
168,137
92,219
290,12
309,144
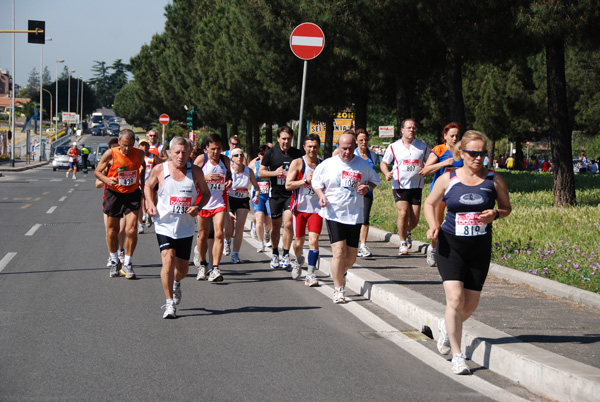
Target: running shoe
215,275
338,296
196,257
252,231
267,238
122,255
431,257
108,262
275,261
285,262
148,221
297,268
177,294
74,177
311,280
261,247
67,175
114,269
170,310
127,271
201,272
459,365
363,251
227,247
408,240
235,258
443,343
140,228
403,249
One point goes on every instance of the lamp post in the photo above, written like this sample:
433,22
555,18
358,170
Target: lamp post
81,114
77,104
41,94
56,96
69,90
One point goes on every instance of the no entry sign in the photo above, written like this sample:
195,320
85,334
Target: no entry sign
164,119
307,41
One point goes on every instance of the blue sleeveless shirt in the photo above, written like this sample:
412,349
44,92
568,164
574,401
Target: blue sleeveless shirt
465,204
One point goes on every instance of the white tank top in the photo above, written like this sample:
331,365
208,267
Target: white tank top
149,160
174,197
239,183
305,198
216,187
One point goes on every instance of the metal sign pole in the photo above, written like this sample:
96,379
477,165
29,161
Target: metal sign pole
302,102
163,135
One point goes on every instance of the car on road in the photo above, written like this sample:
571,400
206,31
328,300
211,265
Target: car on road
92,160
102,148
113,129
61,159
98,130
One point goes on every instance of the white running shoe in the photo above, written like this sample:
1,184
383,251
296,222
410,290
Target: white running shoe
122,255
408,240
67,175
267,238
170,310
459,365
140,228
201,273
74,177
127,271
196,257
260,248
363,251
431,261
338,296
311,280
227,247
297,268
114,269
403,249
235,258
108,262
177,294
215,275
275,261
443,343
252,231
285,261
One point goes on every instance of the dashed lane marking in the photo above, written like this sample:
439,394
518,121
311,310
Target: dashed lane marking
62,198
33,229
4,261
51,209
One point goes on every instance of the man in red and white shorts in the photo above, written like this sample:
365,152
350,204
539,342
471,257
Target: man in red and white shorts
217,174
305,208
408,155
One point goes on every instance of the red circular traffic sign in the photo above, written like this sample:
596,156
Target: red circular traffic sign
307,41
164,119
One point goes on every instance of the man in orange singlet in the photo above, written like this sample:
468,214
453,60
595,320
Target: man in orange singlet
124,179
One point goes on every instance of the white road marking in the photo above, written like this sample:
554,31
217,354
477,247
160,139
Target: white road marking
76,184
56,179
4,262
33,229
71,190
62,198
51,209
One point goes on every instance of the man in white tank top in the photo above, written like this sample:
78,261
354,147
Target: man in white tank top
217,173
182,192
305,208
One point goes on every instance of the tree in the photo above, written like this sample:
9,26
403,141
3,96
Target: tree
129,106
100,82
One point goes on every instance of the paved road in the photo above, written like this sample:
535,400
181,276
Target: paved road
69,332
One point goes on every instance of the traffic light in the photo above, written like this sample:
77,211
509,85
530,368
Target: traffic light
191,118
36,37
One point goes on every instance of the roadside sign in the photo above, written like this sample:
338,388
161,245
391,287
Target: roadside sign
307,41
164,119
386,131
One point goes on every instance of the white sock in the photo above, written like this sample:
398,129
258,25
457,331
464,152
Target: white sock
114,256
170,301
176,284
127,260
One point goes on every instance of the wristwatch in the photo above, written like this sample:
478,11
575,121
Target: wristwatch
497,215
305,181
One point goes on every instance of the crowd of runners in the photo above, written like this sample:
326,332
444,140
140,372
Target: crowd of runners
292,192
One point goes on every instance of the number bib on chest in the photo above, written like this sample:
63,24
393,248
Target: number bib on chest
350,179
218,184
281,178
127,178
263,187
409,165
179,205
308,190
469,224
240,192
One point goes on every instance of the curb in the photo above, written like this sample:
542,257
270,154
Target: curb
20,169
542,284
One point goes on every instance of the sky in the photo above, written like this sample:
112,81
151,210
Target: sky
81,30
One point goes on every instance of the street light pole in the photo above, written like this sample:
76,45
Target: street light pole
69,100
41,94
81,114
56,96
77,104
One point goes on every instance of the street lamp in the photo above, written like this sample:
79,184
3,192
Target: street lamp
41,93
56,95
81,114
77,104
69,96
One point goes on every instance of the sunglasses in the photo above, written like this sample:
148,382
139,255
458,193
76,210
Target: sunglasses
150,136
237,155
475,154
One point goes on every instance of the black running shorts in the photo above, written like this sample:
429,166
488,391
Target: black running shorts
117,205
182,247
341,231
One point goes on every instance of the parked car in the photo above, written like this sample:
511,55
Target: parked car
102,148
61,159
98,129
114,129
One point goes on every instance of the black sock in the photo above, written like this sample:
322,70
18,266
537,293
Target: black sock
286,252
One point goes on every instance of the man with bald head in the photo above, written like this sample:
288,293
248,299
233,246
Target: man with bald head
124,179
341,183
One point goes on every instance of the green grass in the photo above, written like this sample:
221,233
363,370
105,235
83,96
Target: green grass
562,244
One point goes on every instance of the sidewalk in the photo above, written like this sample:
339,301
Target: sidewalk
521,330
20,165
